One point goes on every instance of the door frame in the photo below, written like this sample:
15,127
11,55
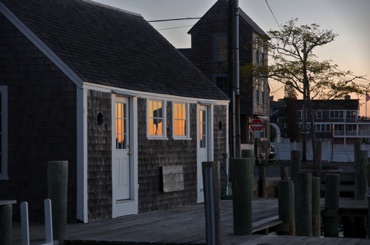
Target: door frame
210,148
129,206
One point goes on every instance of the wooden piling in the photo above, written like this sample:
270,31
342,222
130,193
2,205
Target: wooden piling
284,173
242,178
331,216
316,211
249,154
303,204
286,205
212,197
6,224
295,164
368,201
360,175
57,176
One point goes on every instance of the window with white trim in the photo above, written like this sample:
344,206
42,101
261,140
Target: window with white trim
180,120
336,114
351,114
3,132
156,111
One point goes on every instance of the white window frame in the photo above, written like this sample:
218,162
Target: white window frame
336,114
187,122
4,133
350,115
164,120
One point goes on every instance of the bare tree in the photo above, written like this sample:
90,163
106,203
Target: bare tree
292,49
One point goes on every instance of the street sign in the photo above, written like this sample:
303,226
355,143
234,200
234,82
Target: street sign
256,125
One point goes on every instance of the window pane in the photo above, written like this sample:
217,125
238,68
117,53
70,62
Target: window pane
121,130
155,118
202,129
179,114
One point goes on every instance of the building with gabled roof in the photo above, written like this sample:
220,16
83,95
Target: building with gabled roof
101,88
210,53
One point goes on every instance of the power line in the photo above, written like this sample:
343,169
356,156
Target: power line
268,5
176,19
175,27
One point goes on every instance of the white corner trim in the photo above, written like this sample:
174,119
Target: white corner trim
82,208
40,45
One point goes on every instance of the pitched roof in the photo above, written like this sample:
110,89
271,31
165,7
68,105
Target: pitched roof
243,16
112,47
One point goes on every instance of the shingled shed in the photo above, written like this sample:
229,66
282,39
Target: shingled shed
101,88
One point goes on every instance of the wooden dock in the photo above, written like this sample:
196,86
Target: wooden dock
183,225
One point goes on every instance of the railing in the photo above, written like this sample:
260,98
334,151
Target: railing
344,133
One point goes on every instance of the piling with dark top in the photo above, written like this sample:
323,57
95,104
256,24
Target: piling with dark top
331,216
6,224
316,211
242,178
249,154
368,201
286,205
303,204
211,183
360,175
57,176
295,163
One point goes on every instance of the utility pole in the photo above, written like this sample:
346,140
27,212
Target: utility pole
305,97
233,71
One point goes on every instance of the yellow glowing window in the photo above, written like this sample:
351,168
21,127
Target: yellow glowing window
121,125
155,118
202,129
180,115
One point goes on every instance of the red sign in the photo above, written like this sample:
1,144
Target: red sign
256,125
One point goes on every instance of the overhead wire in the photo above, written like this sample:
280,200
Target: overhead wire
273,15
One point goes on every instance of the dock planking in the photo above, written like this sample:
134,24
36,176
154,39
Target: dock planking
186,225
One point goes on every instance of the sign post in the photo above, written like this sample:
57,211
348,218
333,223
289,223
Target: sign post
256,127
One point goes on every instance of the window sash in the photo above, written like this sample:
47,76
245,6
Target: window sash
156,118
180,120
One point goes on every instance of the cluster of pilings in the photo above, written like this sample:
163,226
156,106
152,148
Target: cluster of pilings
299,201
299,197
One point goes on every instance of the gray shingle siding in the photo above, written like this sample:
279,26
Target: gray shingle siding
99,156
41,121
156,153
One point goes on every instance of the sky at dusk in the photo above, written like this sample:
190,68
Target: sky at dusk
349,19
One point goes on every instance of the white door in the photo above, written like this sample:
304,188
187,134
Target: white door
121,169
203,146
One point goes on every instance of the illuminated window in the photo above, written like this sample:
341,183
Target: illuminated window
121,125
202,129
3,133
156,118
180,120
220,47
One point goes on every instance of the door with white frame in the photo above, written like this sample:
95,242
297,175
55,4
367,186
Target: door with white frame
203,145
122,166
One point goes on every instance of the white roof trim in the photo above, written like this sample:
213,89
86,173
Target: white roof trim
40,45
140,94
